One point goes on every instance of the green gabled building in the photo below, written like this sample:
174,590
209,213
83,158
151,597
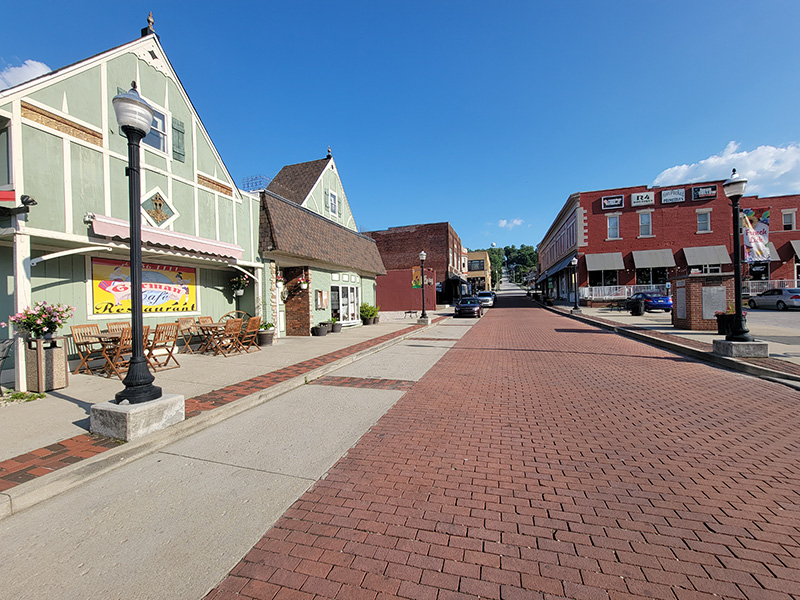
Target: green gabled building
61,146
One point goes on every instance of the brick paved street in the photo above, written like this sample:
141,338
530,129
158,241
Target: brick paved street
542,458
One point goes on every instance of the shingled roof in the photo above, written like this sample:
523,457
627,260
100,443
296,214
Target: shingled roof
292,230
295,182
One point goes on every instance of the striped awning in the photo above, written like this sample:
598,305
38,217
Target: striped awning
773,253
796,247
609,261
651,259
707,255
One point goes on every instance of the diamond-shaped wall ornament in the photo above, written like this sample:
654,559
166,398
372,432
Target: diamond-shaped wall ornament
158,210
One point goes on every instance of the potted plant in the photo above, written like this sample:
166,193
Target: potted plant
725,319
303,281
266,334
42,320
365,311
336,326
375,313
319,330
238,284
279,281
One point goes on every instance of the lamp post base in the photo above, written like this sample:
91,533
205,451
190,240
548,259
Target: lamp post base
426,320
733,349
132,421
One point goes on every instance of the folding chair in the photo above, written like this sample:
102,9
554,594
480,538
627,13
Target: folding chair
188,332
118,356
250,335
87,345
227,339
118,326
164,339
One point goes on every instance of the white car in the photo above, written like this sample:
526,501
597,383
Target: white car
486,298
780,298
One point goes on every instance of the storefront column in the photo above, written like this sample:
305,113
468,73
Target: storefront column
22,297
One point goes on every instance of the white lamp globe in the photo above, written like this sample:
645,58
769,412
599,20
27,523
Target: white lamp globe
132,111
735,185
422,255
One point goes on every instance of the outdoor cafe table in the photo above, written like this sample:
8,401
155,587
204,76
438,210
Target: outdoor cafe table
109,341
208,331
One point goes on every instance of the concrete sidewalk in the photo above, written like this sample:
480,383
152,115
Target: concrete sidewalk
44,439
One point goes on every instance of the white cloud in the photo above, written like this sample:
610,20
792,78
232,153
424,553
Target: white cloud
11,76
770,171
509,224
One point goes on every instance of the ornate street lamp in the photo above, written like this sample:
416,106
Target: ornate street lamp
734,190
422,257
135,117
574,263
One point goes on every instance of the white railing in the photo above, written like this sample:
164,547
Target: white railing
618,292
752,288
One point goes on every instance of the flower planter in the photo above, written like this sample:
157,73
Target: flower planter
280,285
303,286
46,364
238,292
319,330
336,327
725,323
265,337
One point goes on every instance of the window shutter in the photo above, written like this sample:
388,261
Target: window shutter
178,145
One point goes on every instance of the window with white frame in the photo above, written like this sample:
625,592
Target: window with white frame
5,158
613,227
333,203
704,222
157,137
645,224
788,220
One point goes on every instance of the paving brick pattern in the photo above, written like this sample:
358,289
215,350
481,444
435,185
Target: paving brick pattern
365,383
42,461
542,458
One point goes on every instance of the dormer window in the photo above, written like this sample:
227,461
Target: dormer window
333,203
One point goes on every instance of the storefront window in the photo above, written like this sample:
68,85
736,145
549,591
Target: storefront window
602,278
759,271
651,276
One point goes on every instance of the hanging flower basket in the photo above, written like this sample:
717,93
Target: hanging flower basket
279,281
303,283
238,284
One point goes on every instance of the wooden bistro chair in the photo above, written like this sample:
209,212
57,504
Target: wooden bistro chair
118,326
249,337
87,345
187,328
226,340
161,349
119,355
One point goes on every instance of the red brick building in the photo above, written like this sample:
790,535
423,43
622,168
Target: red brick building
641,236
399,248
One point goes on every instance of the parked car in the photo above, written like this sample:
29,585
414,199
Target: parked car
651,300
780,298
469,306
486,298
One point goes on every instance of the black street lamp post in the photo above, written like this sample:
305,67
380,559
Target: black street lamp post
422,257
574,262
734,189
135,117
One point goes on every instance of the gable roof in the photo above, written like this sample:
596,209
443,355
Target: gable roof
291,230
295,182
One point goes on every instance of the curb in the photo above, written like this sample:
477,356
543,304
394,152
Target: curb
37,490
787,379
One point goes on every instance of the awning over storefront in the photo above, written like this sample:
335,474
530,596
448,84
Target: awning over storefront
557,267
796,247
111,227
707,255
773,252
609,261
652,259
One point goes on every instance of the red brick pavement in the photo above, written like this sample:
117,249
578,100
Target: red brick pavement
42,461
544,458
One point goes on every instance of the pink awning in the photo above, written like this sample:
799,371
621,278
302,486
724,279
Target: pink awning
111,227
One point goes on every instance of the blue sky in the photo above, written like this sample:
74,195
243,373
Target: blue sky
484,114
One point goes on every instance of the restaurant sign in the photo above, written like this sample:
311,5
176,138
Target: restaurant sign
165,288
643,198
673,196
704,192
612,202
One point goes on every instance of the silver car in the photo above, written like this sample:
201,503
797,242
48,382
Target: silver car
486,298
780,298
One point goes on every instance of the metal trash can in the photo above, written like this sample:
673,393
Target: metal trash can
637,309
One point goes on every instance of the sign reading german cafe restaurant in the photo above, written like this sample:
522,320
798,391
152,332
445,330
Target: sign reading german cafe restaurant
643,198
672,196
611,202
704,192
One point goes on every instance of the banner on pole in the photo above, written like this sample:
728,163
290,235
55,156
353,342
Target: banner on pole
755,229
416,277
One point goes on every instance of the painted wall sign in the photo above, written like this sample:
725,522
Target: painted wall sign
643,198
611,202
165,288
672,196
704,192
